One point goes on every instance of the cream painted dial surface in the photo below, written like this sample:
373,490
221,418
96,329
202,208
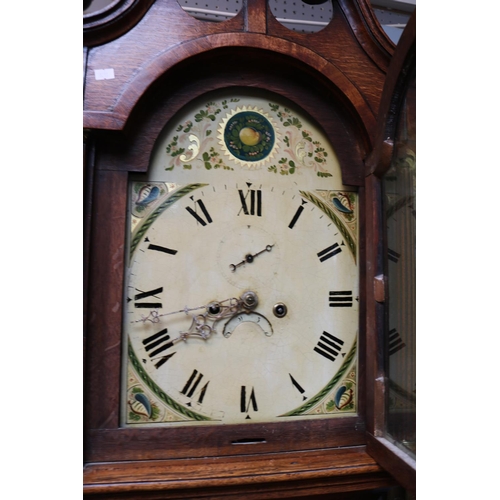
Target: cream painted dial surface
242,283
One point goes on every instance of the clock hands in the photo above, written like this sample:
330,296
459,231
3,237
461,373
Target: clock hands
213,308
203,324
249,258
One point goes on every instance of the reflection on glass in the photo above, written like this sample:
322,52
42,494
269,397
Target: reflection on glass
91,6
214,12
400,211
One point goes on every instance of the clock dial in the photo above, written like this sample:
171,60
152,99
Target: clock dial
242,285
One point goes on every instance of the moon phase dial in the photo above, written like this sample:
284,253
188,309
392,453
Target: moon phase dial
251,317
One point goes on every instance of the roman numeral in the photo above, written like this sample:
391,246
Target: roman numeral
329,252
329,346
191,385
340,299
199,218
392,255
244,406
255,201
395,342
144,295
297,215
297,386
159,248
159,342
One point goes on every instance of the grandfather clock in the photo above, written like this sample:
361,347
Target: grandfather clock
248,189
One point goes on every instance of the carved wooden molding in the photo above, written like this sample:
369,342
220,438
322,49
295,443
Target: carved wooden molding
404,59
179,36
112,21
254,476
116,118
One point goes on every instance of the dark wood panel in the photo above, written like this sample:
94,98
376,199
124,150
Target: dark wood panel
256,16
206,57
361,486
375,403
346,46
88,189
254,476
362,354
395,461
184,442
134,50
105,295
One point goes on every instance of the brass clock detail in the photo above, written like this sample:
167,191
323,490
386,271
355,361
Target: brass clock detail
242,277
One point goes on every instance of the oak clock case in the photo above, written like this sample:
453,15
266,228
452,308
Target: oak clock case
242,282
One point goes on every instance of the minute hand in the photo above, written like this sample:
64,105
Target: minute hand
249,258
213,308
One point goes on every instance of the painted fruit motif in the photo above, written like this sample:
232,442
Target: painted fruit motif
249,136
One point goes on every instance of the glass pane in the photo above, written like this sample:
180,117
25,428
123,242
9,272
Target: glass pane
308,16
214,11
400,212
91,6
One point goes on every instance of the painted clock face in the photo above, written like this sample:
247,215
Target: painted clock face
241,296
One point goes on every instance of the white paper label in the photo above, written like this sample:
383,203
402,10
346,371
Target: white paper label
104,74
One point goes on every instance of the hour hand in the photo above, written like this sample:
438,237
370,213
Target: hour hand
249,258
213,308
203,325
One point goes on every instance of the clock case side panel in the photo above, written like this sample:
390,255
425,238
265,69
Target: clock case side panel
392,458
104,299
122,153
